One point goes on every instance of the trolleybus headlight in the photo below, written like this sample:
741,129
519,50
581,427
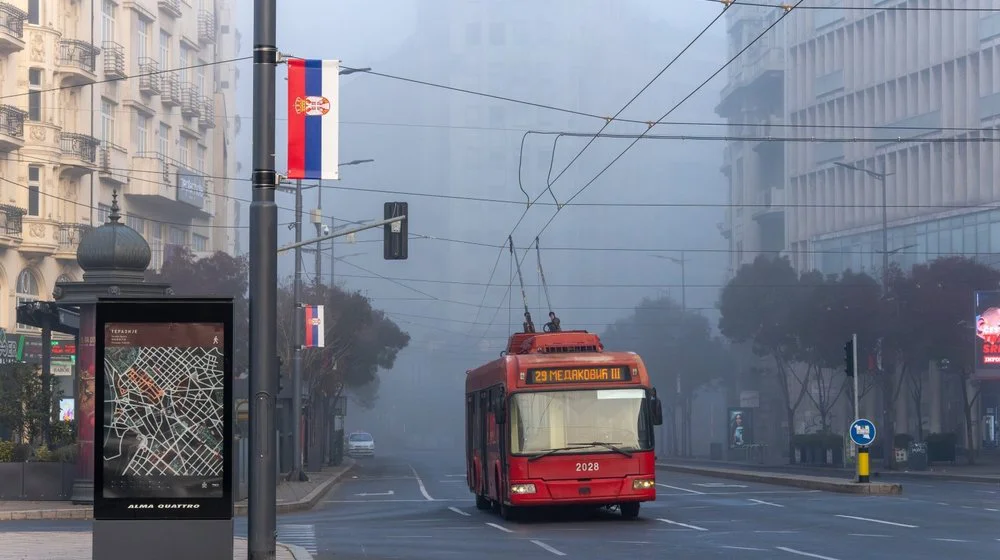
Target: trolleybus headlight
522,488
643,484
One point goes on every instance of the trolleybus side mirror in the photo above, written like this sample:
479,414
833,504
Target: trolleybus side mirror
657,409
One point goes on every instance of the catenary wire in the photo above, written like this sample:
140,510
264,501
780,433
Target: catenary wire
751,3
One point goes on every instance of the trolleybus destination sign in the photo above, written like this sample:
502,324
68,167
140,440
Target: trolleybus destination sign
597,374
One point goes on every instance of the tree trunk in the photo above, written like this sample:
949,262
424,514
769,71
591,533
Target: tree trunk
967,406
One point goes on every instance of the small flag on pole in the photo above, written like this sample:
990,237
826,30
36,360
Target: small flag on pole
313,119
314,326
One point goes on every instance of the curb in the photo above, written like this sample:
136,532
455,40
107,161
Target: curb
309,501
797,481
87,513
297,552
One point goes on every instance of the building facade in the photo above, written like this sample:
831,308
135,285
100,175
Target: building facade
912,78
753,101
112,96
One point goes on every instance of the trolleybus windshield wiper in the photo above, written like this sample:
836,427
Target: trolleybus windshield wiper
611,446
558,449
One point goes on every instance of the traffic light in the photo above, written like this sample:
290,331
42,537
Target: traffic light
397,233
849,358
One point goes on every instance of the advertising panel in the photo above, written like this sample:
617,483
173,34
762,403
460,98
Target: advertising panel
987,335
740,425
165,397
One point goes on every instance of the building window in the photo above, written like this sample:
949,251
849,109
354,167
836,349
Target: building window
35,94
497,36
164,49
108,20
34,190
141,133
103,211
182,62
137,223
164,140
108,109
199,78
183,152
26,291
34,14
199,242
177,236
141,38
199,162
472,33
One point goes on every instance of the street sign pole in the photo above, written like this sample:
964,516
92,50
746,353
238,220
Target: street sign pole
863,435
854,344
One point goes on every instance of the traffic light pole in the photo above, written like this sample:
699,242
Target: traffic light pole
854,350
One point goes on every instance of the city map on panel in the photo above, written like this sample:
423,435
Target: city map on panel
164,413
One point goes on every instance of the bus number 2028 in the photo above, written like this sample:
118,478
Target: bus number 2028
587,467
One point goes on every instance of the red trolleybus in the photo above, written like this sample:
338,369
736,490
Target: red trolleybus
556,420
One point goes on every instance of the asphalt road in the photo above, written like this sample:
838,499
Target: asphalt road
415,506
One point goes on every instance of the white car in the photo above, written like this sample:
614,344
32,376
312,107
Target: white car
360,443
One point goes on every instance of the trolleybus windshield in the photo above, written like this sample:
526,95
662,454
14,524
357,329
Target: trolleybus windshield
579,421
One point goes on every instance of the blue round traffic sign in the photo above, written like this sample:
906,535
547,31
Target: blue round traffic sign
863,432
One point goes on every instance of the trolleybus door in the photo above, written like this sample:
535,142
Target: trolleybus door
481,417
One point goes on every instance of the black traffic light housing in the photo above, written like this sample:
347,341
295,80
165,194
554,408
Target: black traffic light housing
397,233
281,377
849,358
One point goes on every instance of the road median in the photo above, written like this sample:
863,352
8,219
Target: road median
826,484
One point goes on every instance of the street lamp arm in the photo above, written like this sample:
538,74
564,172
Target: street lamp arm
342,233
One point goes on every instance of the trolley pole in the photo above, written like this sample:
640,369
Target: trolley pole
261,514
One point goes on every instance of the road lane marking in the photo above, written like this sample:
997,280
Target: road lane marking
420,482
549,548
456,475
744,548
631,542
364,494
867,535
778,532
383,501
801,553
719,485
752,492
679,524
991,509
870,520
942,503
460,512
949,540
679,488
501,527
762,502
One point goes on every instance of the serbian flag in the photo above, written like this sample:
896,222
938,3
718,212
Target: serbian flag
313,119
314,326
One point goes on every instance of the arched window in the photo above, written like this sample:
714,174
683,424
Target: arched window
25,290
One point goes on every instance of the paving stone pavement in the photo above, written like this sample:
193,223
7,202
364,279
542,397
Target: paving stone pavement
65,545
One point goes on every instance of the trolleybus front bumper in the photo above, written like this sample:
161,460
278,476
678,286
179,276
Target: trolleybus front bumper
537,492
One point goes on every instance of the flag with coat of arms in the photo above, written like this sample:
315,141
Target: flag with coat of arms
313,119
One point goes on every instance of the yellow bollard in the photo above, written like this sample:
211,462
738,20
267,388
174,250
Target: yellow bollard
864,467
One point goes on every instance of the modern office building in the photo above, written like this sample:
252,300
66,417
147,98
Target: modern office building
111,96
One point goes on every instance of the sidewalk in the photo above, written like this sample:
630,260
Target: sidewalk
291,496
986,472
63,545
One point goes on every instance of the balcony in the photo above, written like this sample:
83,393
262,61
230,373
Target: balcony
206,27
69,240
11,28
77,62
114,60
149,79
170,7
167,186
207,118
42,237
769,203
11,225
190,100
11,128
170,93
79,153
112,163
